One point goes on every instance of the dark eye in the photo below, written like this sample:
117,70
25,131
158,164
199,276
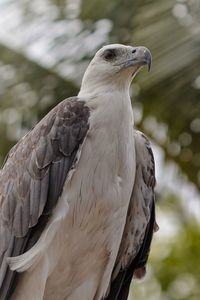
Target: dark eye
109,54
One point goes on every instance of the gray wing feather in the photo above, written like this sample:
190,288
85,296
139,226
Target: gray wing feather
32,180
138,231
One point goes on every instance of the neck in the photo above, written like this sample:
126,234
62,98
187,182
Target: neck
93,86
110,99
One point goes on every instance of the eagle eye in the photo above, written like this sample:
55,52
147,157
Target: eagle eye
109,54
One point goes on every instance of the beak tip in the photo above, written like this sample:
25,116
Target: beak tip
148,58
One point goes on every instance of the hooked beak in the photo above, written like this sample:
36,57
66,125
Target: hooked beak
140,56
144,56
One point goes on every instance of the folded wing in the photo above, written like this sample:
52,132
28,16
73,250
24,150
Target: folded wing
32,180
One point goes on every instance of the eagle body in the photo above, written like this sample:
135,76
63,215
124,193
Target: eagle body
79,219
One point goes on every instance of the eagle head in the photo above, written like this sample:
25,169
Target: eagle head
116,64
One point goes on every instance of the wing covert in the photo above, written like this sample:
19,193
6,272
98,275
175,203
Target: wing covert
32,180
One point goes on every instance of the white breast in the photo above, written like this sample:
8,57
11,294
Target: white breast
98,194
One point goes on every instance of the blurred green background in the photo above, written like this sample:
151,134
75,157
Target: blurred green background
45,46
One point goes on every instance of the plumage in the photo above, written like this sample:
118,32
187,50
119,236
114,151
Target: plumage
77,193
32,179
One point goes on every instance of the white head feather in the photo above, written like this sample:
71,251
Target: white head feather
114,66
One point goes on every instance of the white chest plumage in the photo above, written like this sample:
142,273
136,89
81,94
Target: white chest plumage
98,194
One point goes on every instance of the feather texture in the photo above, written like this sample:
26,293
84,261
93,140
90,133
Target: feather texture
32,180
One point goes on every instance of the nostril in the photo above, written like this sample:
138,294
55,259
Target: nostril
133,51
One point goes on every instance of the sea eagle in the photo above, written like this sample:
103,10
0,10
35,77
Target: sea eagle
77,208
